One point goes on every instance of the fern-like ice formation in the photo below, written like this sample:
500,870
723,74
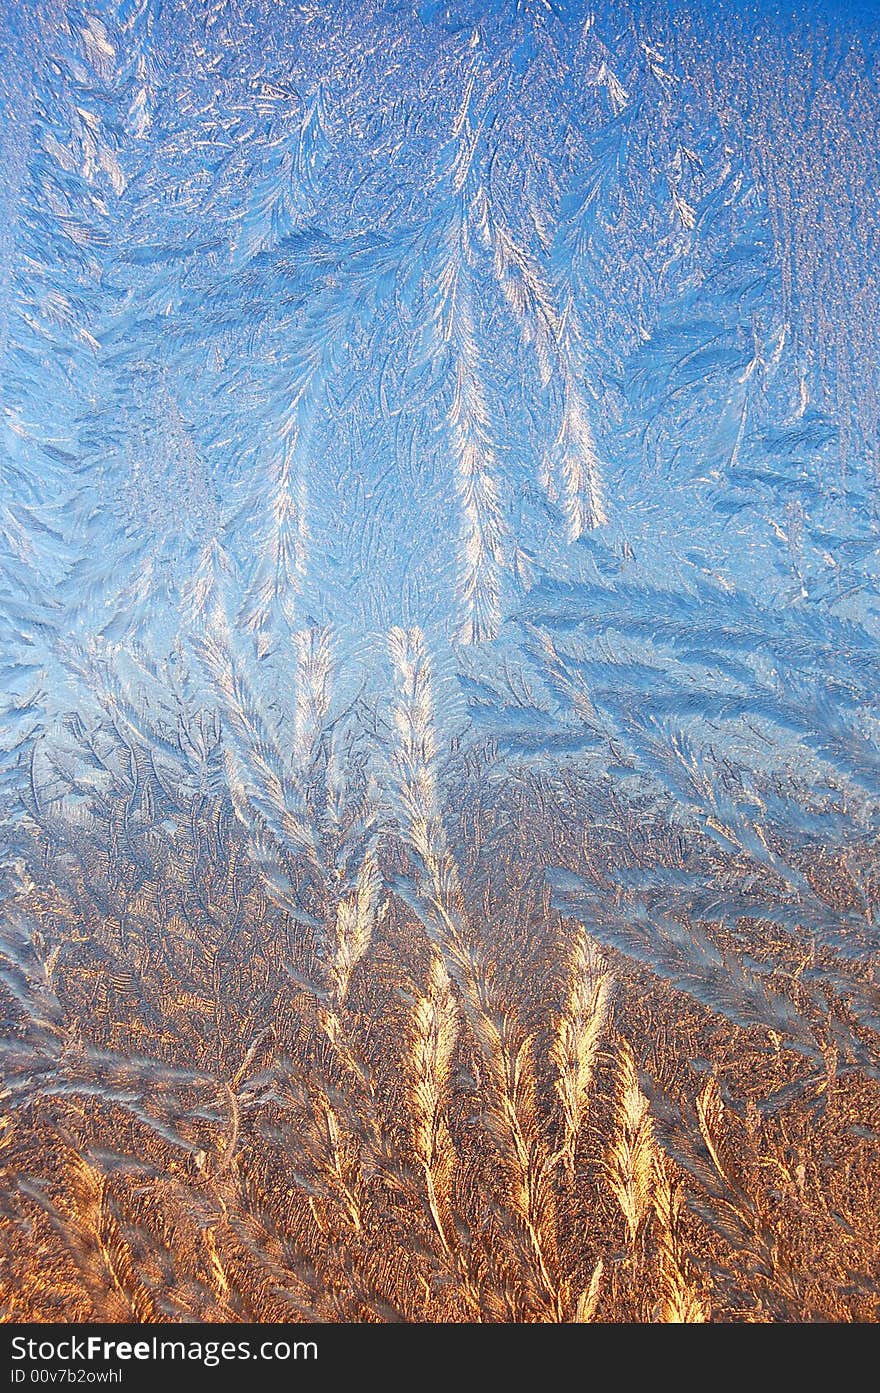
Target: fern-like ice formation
570,470
579,1033
484,528
506,1049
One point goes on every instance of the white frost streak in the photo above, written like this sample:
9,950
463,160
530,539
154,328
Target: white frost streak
283,564
468,417
415,759
574,451
314,668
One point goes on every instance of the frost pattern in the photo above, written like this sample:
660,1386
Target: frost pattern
439,641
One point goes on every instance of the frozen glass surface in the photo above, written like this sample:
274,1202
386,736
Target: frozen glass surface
439,634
